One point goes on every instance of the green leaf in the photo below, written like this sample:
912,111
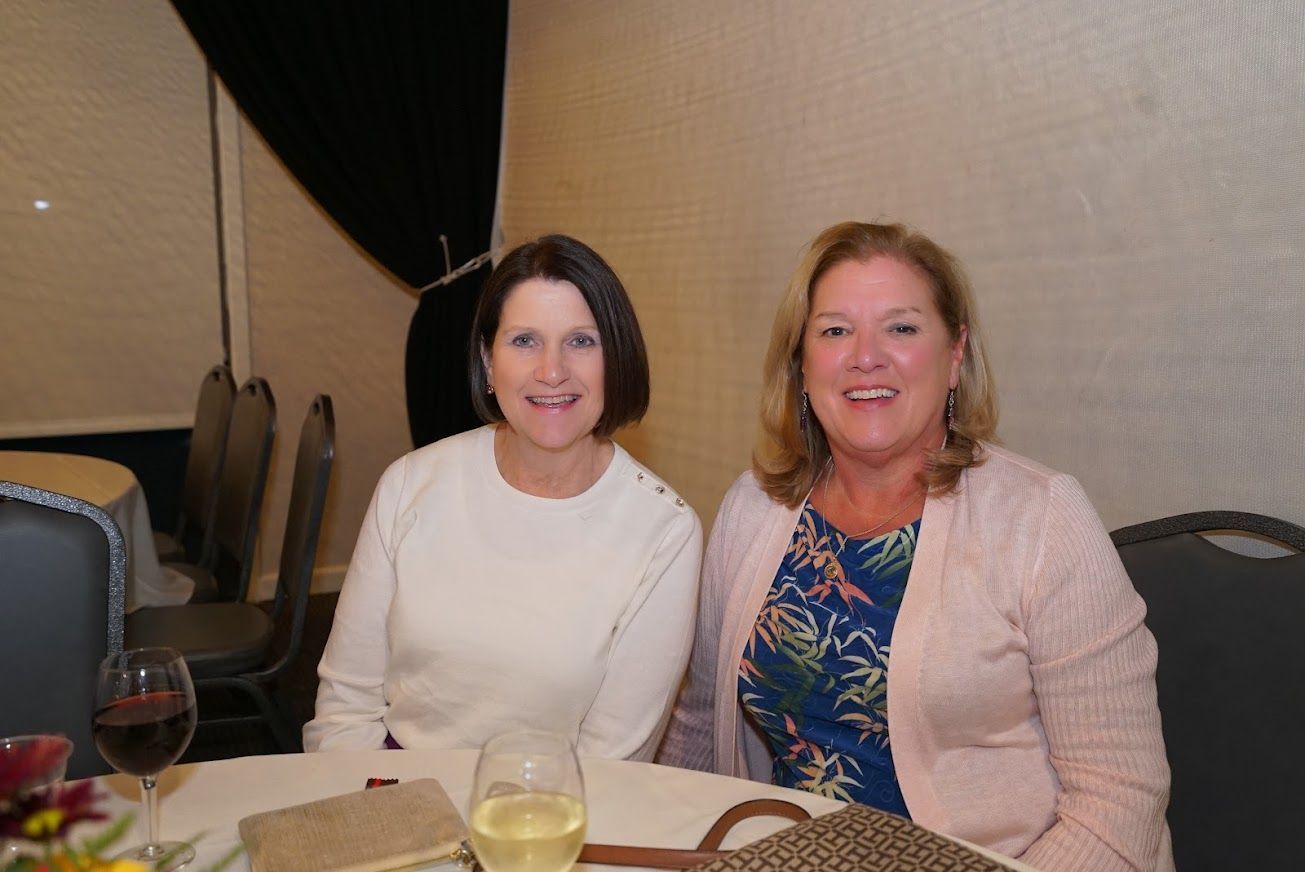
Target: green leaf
225,861
165,861
100,842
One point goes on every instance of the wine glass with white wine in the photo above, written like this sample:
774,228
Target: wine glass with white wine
528,803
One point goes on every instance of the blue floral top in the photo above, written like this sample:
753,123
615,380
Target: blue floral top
814,675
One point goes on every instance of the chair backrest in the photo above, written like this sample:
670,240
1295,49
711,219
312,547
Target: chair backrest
208,441
1231,685
63,569
303,526
229,545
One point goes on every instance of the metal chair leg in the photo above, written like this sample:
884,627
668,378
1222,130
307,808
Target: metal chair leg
272,716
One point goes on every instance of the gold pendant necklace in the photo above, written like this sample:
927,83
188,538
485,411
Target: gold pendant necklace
831,568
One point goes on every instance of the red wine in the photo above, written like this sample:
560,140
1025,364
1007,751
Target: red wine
143,735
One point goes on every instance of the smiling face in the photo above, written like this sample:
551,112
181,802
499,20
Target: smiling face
877,362
546,365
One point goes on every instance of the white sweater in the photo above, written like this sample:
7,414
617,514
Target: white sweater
471,608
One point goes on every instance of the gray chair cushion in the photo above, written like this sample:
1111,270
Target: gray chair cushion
206,586
215,638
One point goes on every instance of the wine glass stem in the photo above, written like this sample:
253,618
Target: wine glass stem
149,800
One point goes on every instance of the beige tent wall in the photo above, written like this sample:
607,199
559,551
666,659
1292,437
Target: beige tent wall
109,306
110,303
324,319
1125,186
1123,180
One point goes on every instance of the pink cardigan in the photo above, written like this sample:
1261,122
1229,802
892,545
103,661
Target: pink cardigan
1021,690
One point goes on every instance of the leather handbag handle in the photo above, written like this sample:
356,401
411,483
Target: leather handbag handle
652,858
750,808
708,848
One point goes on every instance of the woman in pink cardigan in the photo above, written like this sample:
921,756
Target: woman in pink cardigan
1019,710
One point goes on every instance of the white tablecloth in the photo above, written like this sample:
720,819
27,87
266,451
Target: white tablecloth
114,488
629,803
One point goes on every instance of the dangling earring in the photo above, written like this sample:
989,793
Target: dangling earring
489,389
802,416
951,409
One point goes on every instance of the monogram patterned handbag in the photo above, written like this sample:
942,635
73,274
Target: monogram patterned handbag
853,839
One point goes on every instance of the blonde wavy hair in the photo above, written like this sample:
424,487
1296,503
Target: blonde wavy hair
789,458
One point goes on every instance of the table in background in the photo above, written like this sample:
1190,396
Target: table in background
628,803
114,488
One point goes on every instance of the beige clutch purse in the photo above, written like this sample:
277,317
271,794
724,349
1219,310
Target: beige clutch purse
368,831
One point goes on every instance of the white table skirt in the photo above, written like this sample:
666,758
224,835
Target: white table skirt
629,803
114,488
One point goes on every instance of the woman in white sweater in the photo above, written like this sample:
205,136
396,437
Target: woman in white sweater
529,573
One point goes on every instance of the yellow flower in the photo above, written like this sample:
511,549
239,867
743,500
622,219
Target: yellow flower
43,824
81,863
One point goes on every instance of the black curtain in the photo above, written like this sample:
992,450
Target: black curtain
388,113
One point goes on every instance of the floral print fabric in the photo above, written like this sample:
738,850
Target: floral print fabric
814,675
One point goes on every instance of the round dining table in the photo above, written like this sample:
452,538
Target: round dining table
641,804
114,488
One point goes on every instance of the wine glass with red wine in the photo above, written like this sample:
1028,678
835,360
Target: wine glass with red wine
144,718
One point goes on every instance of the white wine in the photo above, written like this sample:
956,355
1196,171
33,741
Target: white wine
528,832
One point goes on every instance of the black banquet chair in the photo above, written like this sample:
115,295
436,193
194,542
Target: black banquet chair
1231,684
208,440
63,569
242,646
222,575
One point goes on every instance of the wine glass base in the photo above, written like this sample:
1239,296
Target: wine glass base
160,856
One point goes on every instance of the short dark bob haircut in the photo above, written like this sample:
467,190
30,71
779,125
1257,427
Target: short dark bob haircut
558,258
